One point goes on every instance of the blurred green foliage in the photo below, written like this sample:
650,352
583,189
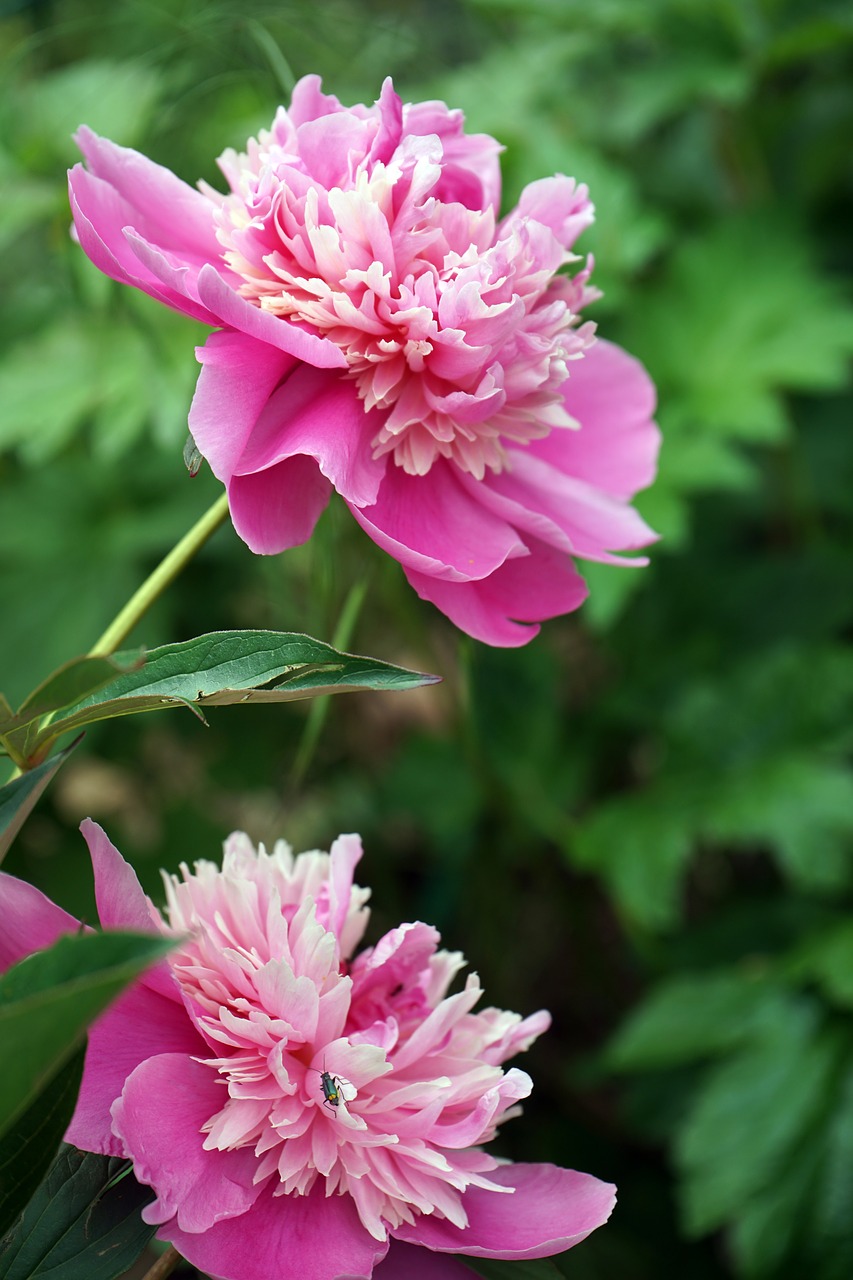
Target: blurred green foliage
644,819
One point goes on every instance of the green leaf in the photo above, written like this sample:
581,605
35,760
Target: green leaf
641,843
751,1117
83,1221
28,1147
48,1000
830,1230
222,669
802,805
19,797
114,98
74,681
827,959
696,1016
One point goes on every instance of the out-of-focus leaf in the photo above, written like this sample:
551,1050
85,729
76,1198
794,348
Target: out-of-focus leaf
26,200
105,371
48,1000
113,98
27,1149
829,1238
19,797
802,806
750,330
827,959
84,1220
751,1116
725,336
694,1017
113,526
799,807
641,844
222,669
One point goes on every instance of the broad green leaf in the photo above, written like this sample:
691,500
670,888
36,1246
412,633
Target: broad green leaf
640,843
114,98
696,1016
74,681
83,1222
766,1225
827,958
48,1000
29,1146
18,797
102,370
802,805
222,669
750,1118
829,1226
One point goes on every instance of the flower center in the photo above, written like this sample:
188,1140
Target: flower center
457,333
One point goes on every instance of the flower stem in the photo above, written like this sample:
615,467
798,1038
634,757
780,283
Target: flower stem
167,570
320,706
164,1266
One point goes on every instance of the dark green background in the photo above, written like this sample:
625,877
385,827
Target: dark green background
643,820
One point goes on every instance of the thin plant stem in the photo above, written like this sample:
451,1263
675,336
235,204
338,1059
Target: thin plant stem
166,571
164,1266
320,706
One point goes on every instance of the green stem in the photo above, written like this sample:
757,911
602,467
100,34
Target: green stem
164,1266
320,706
166,571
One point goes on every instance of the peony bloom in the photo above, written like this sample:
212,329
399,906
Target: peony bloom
300,1111
381,332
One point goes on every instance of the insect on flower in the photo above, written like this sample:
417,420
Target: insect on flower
334,1089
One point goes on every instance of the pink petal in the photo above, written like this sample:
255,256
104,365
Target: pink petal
390,107
544,585
30,921
118,893
345,854
100,216
434,527
312,1237
278,508
318,414
592,524
122,904
238,376
159,1117
398,956
550,1210
138,1026
308,102
610,394
406,1262
236,313
470,168
166,211
558,203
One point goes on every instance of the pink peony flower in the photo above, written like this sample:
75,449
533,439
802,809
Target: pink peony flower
382,333
297,1110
